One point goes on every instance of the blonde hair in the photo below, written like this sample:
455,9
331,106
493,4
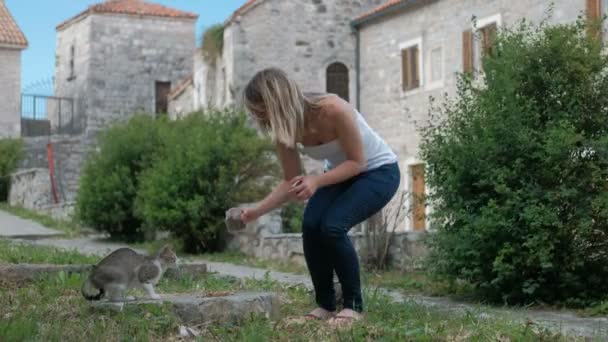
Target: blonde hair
272,92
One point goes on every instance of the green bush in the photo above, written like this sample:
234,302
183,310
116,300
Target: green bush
292,214
11,151
212,43
213,162
518,167
110,177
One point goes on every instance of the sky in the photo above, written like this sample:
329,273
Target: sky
38,19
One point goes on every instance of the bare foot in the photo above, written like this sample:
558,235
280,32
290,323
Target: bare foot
345,318
320,314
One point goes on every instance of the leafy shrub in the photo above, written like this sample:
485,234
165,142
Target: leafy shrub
11,151
292,214
518,167
212,43
110,177
213,162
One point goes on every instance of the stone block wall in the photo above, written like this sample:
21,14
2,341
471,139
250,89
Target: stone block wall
263,240
439,26
117,60
128,56
31,185
30,188
10,92
302,37
182,104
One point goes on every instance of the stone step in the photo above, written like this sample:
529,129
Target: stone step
195,309
28,272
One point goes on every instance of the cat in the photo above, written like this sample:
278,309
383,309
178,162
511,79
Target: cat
124,269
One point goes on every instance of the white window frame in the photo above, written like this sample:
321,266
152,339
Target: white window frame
432,85
421,74
476,26
495,18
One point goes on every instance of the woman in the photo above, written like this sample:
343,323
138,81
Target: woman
361,177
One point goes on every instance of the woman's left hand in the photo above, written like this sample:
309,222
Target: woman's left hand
303,187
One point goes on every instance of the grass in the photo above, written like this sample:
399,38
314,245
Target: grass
16,253
52,309
233,257
69,228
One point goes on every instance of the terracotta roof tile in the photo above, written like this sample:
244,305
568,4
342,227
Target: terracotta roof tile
248,4
10,33
385,7
132,7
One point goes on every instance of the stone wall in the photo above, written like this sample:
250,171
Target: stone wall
302,37
396,114
182,103
262,239
73,44
117,61
128,56
438,26
30,188
30,184
10,92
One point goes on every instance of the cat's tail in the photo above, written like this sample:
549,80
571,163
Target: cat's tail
90,291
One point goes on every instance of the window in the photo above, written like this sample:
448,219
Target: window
479,42
72,55
411,66
436,63
337,80
162,97
488,37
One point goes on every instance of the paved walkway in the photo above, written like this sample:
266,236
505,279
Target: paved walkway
558,321
12,226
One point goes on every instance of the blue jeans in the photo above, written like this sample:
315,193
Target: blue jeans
331,212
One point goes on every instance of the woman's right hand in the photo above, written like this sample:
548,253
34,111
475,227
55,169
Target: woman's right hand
248,215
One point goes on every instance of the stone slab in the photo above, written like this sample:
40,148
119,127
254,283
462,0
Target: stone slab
15,227
199,309
29,272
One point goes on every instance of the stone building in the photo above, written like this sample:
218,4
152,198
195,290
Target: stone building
363,52
411,50
120,57
12,42
114,59
310,39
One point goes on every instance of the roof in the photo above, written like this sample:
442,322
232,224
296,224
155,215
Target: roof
241,10
180,87
388,7
132,7
10,33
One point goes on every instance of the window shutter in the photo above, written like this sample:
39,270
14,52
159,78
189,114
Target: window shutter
467,51
405,71
415,78
594,14
418,197
489,36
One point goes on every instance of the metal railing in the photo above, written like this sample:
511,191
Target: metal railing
47,115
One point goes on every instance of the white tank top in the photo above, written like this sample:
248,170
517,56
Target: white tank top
377,152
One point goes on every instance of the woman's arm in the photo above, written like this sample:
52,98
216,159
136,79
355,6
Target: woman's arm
290,162
340,115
